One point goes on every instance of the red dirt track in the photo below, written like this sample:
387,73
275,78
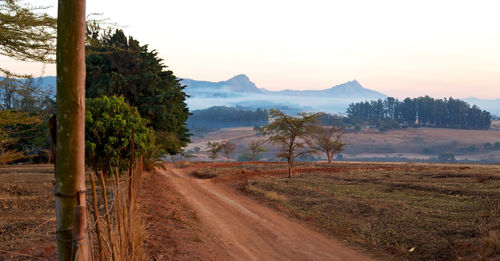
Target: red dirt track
250,231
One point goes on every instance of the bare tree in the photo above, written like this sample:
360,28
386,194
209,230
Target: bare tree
213,149
72,241
228,148
291,133
255,147
329,140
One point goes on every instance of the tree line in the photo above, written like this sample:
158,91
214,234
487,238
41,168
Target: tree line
224,117
419,112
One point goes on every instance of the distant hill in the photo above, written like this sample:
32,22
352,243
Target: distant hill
492,106
223,89
47,83
241,84
348,90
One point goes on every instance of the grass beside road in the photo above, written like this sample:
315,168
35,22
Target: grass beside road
412,211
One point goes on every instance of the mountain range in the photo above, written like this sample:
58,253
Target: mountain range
240,91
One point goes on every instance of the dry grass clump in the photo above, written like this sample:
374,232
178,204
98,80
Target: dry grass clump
183,164
270,195
205,173
14,189
118,229
490,245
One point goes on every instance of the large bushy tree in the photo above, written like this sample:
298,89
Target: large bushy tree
119,65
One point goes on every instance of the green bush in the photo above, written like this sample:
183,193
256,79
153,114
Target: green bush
108,126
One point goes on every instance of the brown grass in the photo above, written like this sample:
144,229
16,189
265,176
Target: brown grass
27,213
439,212
121,222
27,216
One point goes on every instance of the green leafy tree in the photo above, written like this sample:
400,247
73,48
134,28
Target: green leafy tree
117,65
291,133
213,149
109,123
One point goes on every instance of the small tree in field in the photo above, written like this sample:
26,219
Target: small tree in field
213,149
328,139
291,133
228,148
256,148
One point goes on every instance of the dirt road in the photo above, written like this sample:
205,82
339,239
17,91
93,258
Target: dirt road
251,231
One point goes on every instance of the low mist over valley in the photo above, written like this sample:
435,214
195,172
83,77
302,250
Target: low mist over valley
240,91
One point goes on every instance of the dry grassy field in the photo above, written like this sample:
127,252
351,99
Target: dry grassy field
412,211
407,211
412,143
27,212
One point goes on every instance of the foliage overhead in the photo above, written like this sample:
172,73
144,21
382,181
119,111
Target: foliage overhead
117,65
108,126
26,32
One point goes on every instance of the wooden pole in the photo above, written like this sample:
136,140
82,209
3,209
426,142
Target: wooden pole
70,147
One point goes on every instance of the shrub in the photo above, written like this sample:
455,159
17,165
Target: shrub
108,126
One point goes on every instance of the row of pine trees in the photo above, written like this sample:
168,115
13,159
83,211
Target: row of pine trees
422,111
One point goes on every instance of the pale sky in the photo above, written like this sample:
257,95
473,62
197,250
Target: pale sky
398,47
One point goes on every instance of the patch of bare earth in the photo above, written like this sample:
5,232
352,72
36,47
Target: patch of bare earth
174,230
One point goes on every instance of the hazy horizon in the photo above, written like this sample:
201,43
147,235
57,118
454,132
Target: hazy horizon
400,48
